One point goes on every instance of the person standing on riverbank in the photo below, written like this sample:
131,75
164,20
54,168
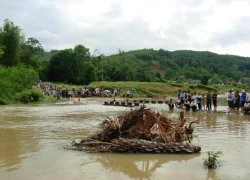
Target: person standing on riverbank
179,94
243,98
214,98
182,97
198,100
115,92
230,100
209,101
171,104
203,102
237,100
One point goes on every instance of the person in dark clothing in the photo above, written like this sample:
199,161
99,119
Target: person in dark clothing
171,104
214,98
189,97
198,100
237,100
187,105
209,101
230,100
179,94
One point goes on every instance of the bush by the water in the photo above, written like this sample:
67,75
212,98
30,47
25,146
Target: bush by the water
212,161
3,101
30,95
15,80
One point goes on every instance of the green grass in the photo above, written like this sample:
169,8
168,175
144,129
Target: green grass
139,89
158,89
155,89
67,86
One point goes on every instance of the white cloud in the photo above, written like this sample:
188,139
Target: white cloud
216,25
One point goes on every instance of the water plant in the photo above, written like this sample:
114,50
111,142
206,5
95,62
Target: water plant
212,161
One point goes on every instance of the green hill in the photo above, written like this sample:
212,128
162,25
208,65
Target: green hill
181,66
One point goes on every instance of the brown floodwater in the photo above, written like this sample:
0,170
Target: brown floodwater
32,138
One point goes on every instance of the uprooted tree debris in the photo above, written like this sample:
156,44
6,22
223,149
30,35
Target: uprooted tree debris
141,130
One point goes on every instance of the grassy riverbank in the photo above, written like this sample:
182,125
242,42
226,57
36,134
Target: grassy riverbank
158,90
139,89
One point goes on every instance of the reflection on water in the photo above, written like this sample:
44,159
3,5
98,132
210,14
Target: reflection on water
138,166
32,140
229,130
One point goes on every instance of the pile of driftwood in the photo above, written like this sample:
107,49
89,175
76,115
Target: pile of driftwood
141,130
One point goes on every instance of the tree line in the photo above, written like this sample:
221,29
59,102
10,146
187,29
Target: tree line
77,66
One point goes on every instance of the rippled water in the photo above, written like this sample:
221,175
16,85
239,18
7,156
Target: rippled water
32,140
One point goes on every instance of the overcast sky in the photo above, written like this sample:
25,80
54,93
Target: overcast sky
221,26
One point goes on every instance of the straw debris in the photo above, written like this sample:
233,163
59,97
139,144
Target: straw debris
141,130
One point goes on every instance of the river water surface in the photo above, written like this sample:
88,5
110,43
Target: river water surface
32,140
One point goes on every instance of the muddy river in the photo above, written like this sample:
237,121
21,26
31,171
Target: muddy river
32,138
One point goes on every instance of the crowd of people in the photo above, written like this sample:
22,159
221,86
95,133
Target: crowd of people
187,100
237,100
51,89
194,101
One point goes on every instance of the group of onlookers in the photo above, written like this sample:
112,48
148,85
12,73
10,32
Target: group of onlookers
237,100
194,101
187,100
47,87
51,89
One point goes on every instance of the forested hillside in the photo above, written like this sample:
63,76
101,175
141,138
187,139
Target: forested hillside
187,65
76,65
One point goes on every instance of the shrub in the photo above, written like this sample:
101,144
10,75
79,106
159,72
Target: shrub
212,161
3,101
15,80
31,95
